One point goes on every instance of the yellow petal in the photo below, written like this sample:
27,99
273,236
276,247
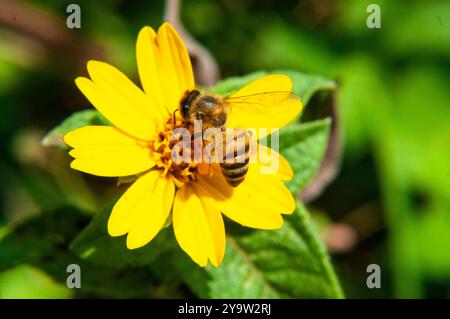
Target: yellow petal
264,103
271,161
198,227
107,151
147,62
267,83
174,66
216,225
257,202
120,101
269,190
143,209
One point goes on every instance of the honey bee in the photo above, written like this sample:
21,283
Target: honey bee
212,110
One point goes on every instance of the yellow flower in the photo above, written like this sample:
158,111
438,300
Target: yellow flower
139,143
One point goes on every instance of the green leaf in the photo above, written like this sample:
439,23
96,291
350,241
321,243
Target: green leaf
306,85
287,263
195,277
27,282
304,146
50,187
40,239
96,245
43,242
74,121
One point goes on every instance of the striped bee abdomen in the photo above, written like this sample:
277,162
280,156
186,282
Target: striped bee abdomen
237,156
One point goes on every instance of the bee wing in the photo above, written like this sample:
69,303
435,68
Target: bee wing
270,110
262,103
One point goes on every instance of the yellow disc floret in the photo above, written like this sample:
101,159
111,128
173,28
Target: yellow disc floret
161,149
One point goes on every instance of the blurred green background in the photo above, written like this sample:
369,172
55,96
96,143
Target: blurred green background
390,203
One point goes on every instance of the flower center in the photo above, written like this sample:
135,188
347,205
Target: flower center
182,172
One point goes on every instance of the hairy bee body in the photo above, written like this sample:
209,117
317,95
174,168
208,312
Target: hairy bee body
236,159
211,110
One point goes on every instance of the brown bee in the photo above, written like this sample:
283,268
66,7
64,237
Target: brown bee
212,110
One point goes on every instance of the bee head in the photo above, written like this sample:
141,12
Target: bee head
186,101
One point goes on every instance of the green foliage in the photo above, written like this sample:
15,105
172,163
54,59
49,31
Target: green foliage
392,97
431,38
290,262
417,188
306,85
304,146
196,278
295,49
286,263
43,243
94,244
26,282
